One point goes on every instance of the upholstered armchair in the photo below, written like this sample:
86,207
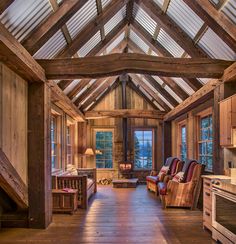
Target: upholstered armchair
183,190
173,166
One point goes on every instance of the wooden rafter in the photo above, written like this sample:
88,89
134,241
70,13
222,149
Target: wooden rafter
124,113
116,32
140,83
161,90
64,83
99,10
51,25
172,28
94,96
64,28
129,10
81,84
216,20
92,27
4,4
135,88
88,91
160,50
15,56
197,98
115,64
104,94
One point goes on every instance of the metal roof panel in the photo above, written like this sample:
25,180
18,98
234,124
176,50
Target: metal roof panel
116,42
138,41
22,16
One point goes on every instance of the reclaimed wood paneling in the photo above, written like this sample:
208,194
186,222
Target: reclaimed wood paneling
13,119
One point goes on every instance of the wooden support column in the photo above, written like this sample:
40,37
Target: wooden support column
124,79
39,156
166,140
82,143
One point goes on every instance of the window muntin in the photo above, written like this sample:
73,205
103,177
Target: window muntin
183,142
68,145
205,142
143,149
104,144
54,141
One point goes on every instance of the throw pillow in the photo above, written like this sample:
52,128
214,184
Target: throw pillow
164,170
179,177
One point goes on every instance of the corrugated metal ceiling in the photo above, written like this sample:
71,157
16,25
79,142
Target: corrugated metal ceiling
185,17
116,42
215,46
144,19
115,20
25,15
82,17
229,10
138,41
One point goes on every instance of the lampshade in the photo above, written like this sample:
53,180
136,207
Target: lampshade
89,151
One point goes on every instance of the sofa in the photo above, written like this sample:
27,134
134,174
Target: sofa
84,180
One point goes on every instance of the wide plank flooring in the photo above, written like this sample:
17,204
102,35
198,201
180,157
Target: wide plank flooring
118,216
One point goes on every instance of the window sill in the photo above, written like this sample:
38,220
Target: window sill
104,169
142,169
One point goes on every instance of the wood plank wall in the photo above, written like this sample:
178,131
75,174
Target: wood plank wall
113,101
13,119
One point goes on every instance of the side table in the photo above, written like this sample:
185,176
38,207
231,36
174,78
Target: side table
64,200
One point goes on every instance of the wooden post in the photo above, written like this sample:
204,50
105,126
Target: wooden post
82,143
124,79
39,156
166,140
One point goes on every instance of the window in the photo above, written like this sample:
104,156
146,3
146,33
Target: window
54,141
183,142
103,147
143,149
68,145
205,142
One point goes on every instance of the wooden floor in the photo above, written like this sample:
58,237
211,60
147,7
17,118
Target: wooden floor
118,216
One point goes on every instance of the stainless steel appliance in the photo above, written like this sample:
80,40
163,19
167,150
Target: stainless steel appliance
224,208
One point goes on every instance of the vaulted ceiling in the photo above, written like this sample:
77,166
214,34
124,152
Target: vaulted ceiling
165,28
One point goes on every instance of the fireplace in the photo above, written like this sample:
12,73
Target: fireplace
126,169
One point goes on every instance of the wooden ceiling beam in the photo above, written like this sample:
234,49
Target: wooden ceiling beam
140,83
92,28
216,20
194,100
230,73
51,25
160,50
97,92
124,113
136,89
115,64
167,81
104,94
4,4
61,100
15,56
172,29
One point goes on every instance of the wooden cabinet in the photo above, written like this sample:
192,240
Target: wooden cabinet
64,201
207,204
228,122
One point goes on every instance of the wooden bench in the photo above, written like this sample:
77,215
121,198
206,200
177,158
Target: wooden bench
85,183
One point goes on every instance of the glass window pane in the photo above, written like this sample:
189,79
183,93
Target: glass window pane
148,135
